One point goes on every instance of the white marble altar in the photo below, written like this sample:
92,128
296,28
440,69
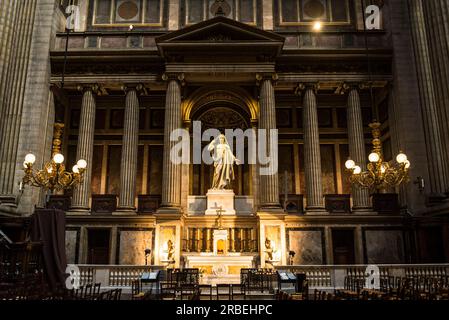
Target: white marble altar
219,268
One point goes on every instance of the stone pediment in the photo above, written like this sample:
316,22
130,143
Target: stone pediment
219,35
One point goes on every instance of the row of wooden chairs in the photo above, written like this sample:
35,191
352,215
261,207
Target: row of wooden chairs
403,288
258,279
183,276
111,295
184,291
89,291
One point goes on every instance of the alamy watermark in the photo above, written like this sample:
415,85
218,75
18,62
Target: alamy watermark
262,146
372,20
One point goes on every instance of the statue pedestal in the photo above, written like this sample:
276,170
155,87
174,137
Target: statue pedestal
220,198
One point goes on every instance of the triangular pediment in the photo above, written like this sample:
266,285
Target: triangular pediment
220,29
219,34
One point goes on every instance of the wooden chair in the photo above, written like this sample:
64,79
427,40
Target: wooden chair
188,291
223,291
238,292
96,289
88,291
167,290
116,294
205,290
136,290
105,295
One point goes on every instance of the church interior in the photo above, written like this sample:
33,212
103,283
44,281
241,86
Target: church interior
354,93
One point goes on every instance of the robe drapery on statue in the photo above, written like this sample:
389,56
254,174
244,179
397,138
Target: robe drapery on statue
223,162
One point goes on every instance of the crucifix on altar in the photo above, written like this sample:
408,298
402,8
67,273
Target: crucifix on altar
220,235
220,211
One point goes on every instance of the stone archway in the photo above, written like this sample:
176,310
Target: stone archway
221,109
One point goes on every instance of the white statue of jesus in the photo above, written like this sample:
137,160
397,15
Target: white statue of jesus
223,162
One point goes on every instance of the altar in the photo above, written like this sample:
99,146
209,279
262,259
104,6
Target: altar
220,265
219,268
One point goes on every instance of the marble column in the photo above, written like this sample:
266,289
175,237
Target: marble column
269,184
312,156
438,171
17,19
129,150
171,175
81,193
360,196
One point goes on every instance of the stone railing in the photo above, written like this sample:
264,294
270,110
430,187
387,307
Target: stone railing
319,276
113,275
332,276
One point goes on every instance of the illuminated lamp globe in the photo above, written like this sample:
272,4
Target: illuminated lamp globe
58,158
317,26
82,164
401,158
76,169
407,164
30,158
25,164
350,164
373,157
357,170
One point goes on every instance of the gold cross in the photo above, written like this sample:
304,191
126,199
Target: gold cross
219,215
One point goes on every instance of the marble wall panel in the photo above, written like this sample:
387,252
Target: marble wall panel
384,246
132,245
307,245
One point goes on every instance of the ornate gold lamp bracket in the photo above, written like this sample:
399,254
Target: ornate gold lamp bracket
53,176
380,175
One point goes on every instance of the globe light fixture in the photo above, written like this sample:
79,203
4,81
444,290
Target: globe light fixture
349,164
30,158
58,158
317,26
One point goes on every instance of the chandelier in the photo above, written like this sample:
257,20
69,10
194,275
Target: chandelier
53,176
380,174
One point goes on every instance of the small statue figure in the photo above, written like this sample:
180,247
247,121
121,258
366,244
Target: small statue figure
268,249
170,251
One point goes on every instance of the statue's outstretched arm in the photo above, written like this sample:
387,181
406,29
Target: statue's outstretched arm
211,145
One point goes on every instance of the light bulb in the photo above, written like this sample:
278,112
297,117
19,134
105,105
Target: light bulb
373,157
357,170
383,168
30,158
407,164
401,158
350,164
25,164
317,26
82,164
49,169
75,169
58,158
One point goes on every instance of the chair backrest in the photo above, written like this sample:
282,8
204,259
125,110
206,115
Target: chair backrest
223,290
135,287
96,289
116,294
188,290
300,281
88,290
238,291
205,290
